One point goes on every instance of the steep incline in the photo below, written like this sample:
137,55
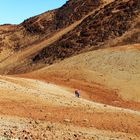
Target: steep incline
118,23
112,24
21,58
43,26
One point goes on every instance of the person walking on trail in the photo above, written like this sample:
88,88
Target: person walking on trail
77,93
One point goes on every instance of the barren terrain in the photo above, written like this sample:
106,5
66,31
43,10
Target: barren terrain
116,68
44,107
31,109
92,46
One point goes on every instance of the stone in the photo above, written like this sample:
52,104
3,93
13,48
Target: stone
67,120
85,120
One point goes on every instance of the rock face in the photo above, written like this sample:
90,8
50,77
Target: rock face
98,30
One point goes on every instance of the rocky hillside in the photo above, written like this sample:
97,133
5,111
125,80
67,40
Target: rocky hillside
23,35
61,33
37,28
116,23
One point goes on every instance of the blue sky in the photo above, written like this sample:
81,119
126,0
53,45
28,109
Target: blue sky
15,11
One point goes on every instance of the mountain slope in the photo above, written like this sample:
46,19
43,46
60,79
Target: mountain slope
89,45
110,76
13,62
36,36
40,27
110,26
107,25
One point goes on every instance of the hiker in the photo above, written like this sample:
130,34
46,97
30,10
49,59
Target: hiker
77,93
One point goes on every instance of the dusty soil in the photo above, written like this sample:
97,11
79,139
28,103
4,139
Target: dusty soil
31,108
44,107
108,76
